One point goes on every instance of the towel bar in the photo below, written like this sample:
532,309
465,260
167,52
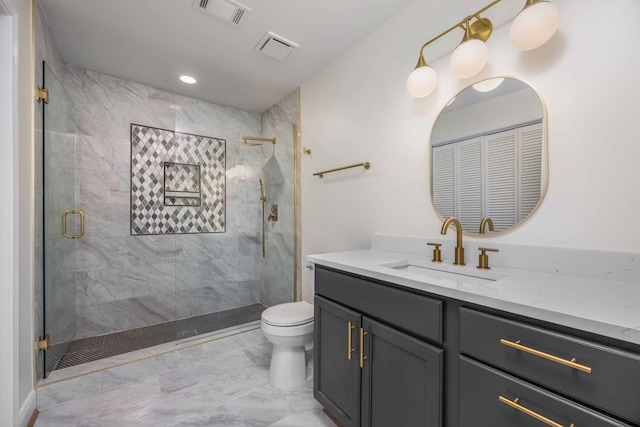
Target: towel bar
365,165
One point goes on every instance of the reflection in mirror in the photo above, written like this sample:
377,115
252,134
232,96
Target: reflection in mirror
488,153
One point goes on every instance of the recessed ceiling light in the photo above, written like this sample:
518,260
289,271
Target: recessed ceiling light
188,79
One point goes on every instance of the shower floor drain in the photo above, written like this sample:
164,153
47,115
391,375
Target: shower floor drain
86,350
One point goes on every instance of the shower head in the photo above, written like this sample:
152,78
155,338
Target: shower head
259,140
246,144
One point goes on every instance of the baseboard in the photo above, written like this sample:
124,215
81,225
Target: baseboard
27,410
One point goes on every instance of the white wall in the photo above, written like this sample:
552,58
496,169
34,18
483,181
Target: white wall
357,109
17,190
8,288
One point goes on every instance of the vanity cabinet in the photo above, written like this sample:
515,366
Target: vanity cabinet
491,397
590,373
368,370
430,360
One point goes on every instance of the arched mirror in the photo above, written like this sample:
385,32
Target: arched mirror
488,155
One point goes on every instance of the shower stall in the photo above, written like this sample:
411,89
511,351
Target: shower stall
147,234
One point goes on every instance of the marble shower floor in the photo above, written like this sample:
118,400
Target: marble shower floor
86,350
221,382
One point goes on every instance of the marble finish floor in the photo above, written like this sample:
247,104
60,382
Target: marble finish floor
222,382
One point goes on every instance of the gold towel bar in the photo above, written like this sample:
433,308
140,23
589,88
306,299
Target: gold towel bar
365,165
570,363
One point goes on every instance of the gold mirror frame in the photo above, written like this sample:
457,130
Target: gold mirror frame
545,159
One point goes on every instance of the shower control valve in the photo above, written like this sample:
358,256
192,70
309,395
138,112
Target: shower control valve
273,215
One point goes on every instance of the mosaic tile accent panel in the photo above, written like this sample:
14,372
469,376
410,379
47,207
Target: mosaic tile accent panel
177,182
181,184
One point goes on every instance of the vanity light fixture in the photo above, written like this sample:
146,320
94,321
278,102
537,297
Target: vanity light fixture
187,79
472,53
535,25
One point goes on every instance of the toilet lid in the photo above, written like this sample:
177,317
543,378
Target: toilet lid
288,314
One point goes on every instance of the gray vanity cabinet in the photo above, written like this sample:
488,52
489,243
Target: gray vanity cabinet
401,379
372,366
588,372
337,371
491,397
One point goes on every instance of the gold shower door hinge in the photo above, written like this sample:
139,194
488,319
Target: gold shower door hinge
42,94
44,343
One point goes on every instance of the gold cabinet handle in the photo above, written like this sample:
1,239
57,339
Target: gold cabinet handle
570,363
515,403
64,224
350,350
362,356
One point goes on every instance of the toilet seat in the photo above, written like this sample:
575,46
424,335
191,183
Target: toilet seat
289,314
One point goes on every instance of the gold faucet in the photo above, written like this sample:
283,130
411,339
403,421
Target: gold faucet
486,220
459,257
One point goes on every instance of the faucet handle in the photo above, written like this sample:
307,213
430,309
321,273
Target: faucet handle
483,258
437,254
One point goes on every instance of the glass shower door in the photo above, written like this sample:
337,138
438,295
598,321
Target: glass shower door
63,224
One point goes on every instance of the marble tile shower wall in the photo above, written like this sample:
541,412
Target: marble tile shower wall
126,281
222,271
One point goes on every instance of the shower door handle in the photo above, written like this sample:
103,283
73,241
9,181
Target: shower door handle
64,224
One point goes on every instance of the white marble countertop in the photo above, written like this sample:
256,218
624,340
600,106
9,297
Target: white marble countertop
604,307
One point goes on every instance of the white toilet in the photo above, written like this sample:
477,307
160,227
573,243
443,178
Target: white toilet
290,328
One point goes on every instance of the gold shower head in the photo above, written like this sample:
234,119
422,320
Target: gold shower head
256,138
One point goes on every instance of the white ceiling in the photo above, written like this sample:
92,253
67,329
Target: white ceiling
155,41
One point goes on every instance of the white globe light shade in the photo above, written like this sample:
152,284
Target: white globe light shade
469,58
534,26
422,81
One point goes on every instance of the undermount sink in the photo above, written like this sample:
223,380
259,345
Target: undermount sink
458,274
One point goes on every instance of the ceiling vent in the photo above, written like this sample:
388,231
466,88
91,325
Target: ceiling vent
274,46
228,11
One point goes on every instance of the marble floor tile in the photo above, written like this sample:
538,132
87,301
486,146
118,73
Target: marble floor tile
216,383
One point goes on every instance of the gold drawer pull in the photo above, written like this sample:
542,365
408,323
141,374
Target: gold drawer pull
362,356
515,404
570,363
349,349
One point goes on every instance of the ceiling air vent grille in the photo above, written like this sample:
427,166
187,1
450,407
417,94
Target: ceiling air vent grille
228,11
237,17
275,46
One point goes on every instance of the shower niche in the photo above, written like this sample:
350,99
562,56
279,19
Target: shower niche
177,182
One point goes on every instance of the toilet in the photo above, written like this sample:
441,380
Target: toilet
289,327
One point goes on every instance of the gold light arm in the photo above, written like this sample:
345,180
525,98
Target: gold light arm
365,165
570,363
459,24
516,405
